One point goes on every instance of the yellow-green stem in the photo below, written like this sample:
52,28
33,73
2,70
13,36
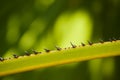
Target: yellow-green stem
56,57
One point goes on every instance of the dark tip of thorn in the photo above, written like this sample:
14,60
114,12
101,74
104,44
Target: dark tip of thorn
73,46
26,53
90,43
47,50
39,52
15,56
82,44
101,41
65,48
1,59
35,52
58,48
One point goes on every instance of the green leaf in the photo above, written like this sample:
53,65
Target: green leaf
57,57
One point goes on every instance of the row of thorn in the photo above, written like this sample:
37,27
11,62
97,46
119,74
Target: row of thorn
58,48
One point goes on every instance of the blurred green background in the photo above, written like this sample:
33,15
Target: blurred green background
39,24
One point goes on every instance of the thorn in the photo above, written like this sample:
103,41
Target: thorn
26,53
58,48
9,58
65,48
35,52
82,44
39,52
15,56
101,41
1,59
73,46
114,39
90,43
47,50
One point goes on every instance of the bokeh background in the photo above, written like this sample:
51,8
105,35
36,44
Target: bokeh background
39,24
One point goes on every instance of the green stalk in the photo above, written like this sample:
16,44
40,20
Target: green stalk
57,57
